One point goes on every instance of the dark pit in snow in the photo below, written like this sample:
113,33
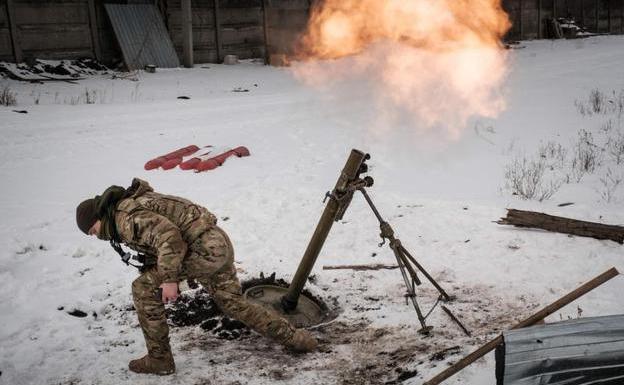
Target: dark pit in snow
198,308
77,313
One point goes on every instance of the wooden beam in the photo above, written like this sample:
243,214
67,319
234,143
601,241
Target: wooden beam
536,317
539,20
597,12
217,22
187,34
554,9
609,16
95,34
17,50
583,18
265,26
532,219
520,22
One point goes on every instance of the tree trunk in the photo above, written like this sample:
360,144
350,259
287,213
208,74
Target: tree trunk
547,222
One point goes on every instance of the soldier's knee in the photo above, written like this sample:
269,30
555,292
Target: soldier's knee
143,288
136,284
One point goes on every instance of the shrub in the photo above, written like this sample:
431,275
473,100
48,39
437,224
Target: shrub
7,97
526,178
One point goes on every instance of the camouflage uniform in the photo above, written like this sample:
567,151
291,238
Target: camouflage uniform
188,244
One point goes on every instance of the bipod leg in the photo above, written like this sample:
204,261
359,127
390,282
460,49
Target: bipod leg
398,250
446,297
411,290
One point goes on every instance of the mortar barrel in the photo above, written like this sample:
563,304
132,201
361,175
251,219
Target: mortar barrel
348,174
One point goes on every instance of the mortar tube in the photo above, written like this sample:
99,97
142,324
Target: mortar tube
348,174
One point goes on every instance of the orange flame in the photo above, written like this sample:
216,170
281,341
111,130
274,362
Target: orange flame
442,60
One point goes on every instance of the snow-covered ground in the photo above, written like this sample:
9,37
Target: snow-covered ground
440,195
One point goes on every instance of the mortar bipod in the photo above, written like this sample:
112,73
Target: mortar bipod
406,263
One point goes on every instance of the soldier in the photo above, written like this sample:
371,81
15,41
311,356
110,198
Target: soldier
184,242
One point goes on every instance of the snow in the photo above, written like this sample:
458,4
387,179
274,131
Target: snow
441,197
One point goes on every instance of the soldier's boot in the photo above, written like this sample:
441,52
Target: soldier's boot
302,341
153,365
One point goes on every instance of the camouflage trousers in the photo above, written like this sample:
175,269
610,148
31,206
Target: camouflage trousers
209,260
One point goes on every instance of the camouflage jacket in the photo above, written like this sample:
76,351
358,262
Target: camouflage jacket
162,226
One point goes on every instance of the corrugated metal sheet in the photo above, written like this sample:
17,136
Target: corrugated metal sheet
142,35
576,352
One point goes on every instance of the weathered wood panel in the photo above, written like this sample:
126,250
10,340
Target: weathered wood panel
6,47
603,16
51,13
512,8
202,38
588,18
617,17
288,18
201,17
530,19
53,29
289,4
287,21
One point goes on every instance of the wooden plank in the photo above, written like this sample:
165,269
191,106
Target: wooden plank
265,30
532,219
217,24
520,18
51,13
536,317
244,51
283,40
228,4
6,50
4,20
241,16
530,16
616,17
206,55
201,18
289,4
288,18
187,34
59,54
540,24
77,36
93,26
201,37
511,7
15,38
251,35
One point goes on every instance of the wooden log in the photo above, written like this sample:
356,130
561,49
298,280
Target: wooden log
540,315
377,266
521,218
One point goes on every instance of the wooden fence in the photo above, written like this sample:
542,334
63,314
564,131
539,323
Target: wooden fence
530,17
58,29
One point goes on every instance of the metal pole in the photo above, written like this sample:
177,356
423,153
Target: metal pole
349,172
540,315
187,33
